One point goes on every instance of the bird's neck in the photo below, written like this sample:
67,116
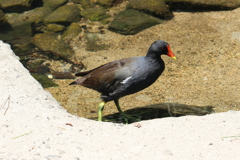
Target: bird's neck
154,57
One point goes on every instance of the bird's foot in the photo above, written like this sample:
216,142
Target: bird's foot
125,116
128,118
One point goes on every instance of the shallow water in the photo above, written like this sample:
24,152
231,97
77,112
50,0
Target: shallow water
204,79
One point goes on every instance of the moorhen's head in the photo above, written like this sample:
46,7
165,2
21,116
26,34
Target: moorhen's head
159,48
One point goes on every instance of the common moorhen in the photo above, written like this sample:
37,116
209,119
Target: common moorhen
125,76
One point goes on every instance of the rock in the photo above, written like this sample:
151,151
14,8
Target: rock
50,42
94,42
156,8
53,4
55,27
3,19
76,1
106,3
95,14
22,46
203,4
20,29
44,80
15,5
60,69
19,37
105,21
36,15
130,22
86,4
64,15
72,31
4,25
37,66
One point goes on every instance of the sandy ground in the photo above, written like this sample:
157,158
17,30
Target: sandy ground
33,125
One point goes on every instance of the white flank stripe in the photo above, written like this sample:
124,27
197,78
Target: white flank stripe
125,80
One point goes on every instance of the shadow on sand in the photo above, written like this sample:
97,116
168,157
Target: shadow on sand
160,110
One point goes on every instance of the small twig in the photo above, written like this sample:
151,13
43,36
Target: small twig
24,54
230,136
22,135
235,139
68,60
7,40
169,111
3,104
8,105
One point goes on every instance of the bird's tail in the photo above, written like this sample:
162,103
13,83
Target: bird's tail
73,83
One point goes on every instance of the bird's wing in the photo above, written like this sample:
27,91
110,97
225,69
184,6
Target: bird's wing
86,72
105,78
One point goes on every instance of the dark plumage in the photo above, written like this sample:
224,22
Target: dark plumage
126,76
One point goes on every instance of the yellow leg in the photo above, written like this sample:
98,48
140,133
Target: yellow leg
100,109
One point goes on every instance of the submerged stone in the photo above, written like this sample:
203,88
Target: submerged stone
55,27
72,31
49,42
156,8
95,14
64,15
130,22
36,15
53,4
16,5
203,4
44,80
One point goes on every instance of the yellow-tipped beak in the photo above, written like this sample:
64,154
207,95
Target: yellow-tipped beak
170,53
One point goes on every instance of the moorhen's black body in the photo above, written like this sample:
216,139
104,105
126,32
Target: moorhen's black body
126,76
